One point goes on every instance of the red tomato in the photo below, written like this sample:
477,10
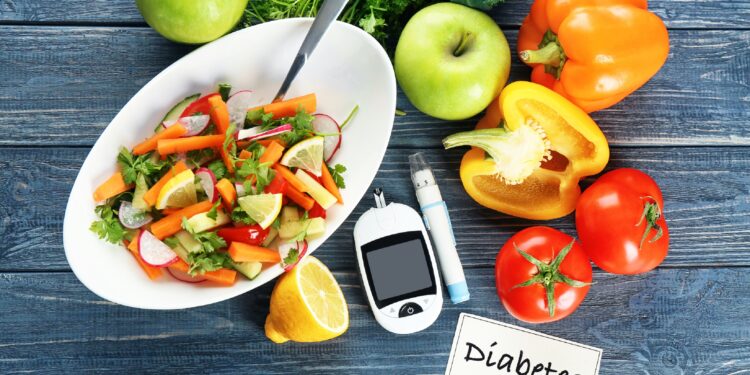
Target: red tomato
316,211
277,185
621,224
249,234
199,106
552,288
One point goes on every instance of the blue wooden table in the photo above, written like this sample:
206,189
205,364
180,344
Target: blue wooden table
66,67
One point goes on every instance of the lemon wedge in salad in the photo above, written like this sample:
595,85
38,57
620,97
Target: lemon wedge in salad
179,191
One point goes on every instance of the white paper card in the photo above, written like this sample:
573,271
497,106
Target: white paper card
484,346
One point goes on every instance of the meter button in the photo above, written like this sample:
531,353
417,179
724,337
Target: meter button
408,309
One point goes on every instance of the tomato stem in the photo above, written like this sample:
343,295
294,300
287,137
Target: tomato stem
549,274
651,214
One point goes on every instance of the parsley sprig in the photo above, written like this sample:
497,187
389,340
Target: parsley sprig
336,172
207,259
132,165
108,227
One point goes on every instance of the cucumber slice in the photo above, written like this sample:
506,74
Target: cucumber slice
314,228
249,269
176,111
181,253
141,187
289,214
188,242
272,234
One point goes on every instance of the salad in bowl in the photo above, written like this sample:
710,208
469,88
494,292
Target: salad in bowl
223,189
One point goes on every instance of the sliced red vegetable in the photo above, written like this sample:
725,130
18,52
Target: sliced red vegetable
257,132
131,217
249,234
277,185
154,252
199,106
237,104
185,277
194,124
316,211
324,124
208,183
286,247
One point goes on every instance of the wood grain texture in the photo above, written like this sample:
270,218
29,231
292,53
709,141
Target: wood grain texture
75,79
706,191
670,321
726,14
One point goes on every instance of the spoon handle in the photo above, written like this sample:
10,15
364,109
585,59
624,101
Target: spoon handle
329,11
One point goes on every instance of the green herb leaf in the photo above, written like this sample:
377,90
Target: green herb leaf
214,211
230,141
133,165
210,241
201,263
292,256
240,216
218,168
336,173
109,227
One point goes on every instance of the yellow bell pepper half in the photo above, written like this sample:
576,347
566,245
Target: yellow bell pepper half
529,152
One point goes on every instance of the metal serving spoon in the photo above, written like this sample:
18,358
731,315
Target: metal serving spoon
327,14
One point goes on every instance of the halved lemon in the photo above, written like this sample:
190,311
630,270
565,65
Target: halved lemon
307,305
307,155
179,191
263,208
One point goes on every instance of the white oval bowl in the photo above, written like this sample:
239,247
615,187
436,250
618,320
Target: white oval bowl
348,68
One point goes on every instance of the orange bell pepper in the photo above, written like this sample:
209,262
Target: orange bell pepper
593,52
539,145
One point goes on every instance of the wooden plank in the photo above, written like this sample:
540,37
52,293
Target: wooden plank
62,86
667,321
727,14
705,189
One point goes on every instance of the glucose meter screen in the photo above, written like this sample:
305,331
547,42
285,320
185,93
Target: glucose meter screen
399,269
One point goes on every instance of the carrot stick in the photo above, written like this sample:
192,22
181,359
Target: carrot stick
171,146
172,224
227,192
219,113
299,197
244,154
153,193
330,184
221,276
170,210
113,186
289,107
174,131
242,252
290,177
220,117
272,154
152,272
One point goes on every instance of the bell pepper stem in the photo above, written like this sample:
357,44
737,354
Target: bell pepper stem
550,55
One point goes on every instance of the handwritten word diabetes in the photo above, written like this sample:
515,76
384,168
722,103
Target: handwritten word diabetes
521,365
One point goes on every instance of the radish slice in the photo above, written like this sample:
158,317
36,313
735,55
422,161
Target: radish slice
131,217
194,124
237,105
154,252
208,183
286,247
185,277
257,133
240,188
327,125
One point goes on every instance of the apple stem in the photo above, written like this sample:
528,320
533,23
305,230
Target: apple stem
467,38
550,55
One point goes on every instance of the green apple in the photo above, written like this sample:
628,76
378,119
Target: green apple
451,61
192,21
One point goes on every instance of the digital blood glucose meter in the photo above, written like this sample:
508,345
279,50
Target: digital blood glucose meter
398,268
